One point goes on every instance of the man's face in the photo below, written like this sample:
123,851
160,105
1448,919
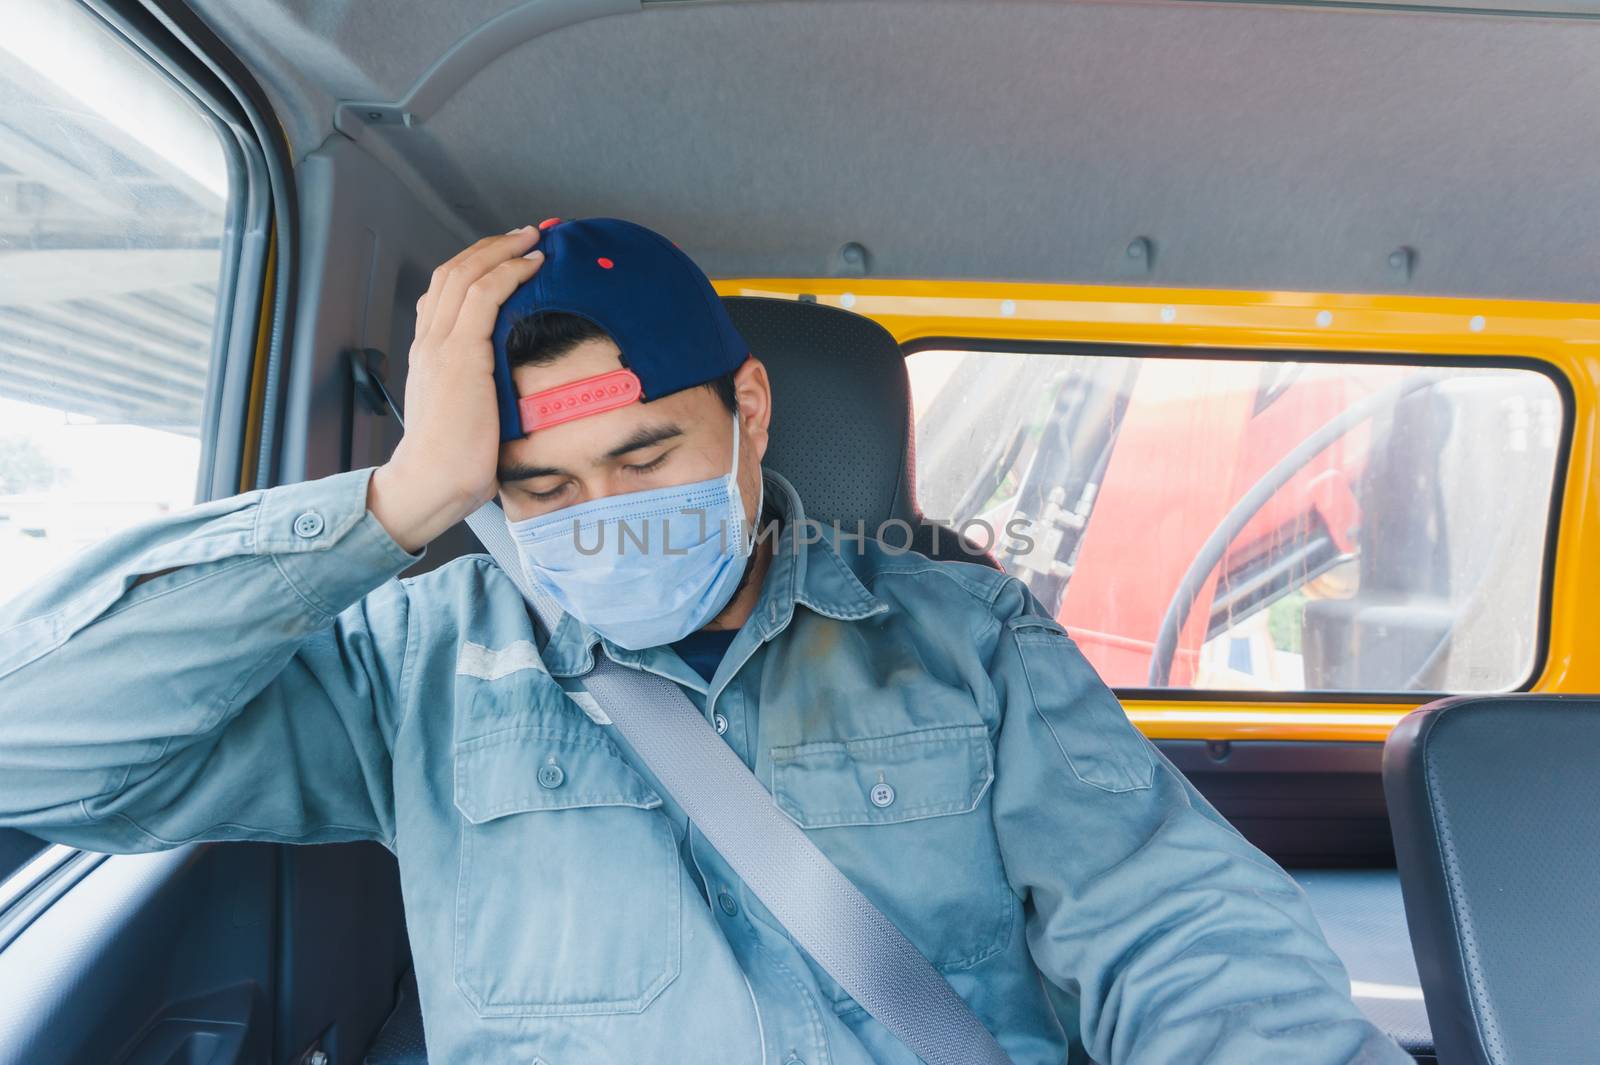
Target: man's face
678,439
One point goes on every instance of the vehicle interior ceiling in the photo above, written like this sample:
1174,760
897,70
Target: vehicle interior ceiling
1257,147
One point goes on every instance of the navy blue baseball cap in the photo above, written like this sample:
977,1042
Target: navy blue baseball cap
641,288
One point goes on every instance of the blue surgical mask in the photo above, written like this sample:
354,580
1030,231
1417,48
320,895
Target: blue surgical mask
643,568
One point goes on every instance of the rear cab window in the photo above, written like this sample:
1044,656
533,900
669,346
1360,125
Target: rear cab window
1218,522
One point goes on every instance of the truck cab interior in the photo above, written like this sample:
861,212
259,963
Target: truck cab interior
1257,338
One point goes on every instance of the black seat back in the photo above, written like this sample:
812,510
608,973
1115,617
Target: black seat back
841,421
1496,810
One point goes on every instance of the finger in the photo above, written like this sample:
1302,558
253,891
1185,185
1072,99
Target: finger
436,283
468,268
480,305
424,315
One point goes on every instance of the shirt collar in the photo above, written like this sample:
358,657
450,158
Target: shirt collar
805,569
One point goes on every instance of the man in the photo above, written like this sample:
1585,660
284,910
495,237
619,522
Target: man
250,670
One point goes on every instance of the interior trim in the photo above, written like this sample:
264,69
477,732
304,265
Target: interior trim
466,58
172,34
1577,10
245,242
1223,719
47,966
32,889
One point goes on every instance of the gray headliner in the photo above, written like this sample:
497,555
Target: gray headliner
1257,146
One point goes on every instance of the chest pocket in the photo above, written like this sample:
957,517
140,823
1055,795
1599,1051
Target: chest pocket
905,818
568,898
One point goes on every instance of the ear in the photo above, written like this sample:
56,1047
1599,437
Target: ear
753,394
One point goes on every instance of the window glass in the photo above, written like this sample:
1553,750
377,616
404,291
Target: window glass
112,192
1268,526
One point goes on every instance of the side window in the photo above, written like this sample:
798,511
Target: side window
113,187
1255,525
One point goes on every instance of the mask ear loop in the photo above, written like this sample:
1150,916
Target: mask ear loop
747,528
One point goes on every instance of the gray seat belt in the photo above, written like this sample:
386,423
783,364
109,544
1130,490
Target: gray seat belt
827,915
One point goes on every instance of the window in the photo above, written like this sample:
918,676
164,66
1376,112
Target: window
1252,525
113,188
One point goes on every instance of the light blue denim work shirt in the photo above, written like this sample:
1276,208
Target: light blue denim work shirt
281,684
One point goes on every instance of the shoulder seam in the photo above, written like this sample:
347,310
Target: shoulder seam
942,569
476,557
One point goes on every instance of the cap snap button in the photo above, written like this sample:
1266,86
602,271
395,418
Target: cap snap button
721,723
308,524
550,775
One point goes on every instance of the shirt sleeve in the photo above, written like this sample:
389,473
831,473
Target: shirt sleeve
250,691
1179,940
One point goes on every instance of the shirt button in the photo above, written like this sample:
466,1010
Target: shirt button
551,776
729,907
881,794
721,723
308,524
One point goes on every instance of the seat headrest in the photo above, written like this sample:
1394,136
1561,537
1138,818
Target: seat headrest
841,402
841,419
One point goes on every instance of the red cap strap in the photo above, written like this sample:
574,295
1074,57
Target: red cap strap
578,399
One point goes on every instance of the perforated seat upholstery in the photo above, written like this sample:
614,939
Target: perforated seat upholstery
401,1040
1496,810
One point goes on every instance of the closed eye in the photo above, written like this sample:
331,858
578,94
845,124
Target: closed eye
652,465
547,496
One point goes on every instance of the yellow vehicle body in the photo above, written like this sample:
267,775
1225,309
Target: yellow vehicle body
1563,336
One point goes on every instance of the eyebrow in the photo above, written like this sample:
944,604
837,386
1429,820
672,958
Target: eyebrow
642,437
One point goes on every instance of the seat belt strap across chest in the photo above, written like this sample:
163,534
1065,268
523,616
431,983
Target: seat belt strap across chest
822,910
